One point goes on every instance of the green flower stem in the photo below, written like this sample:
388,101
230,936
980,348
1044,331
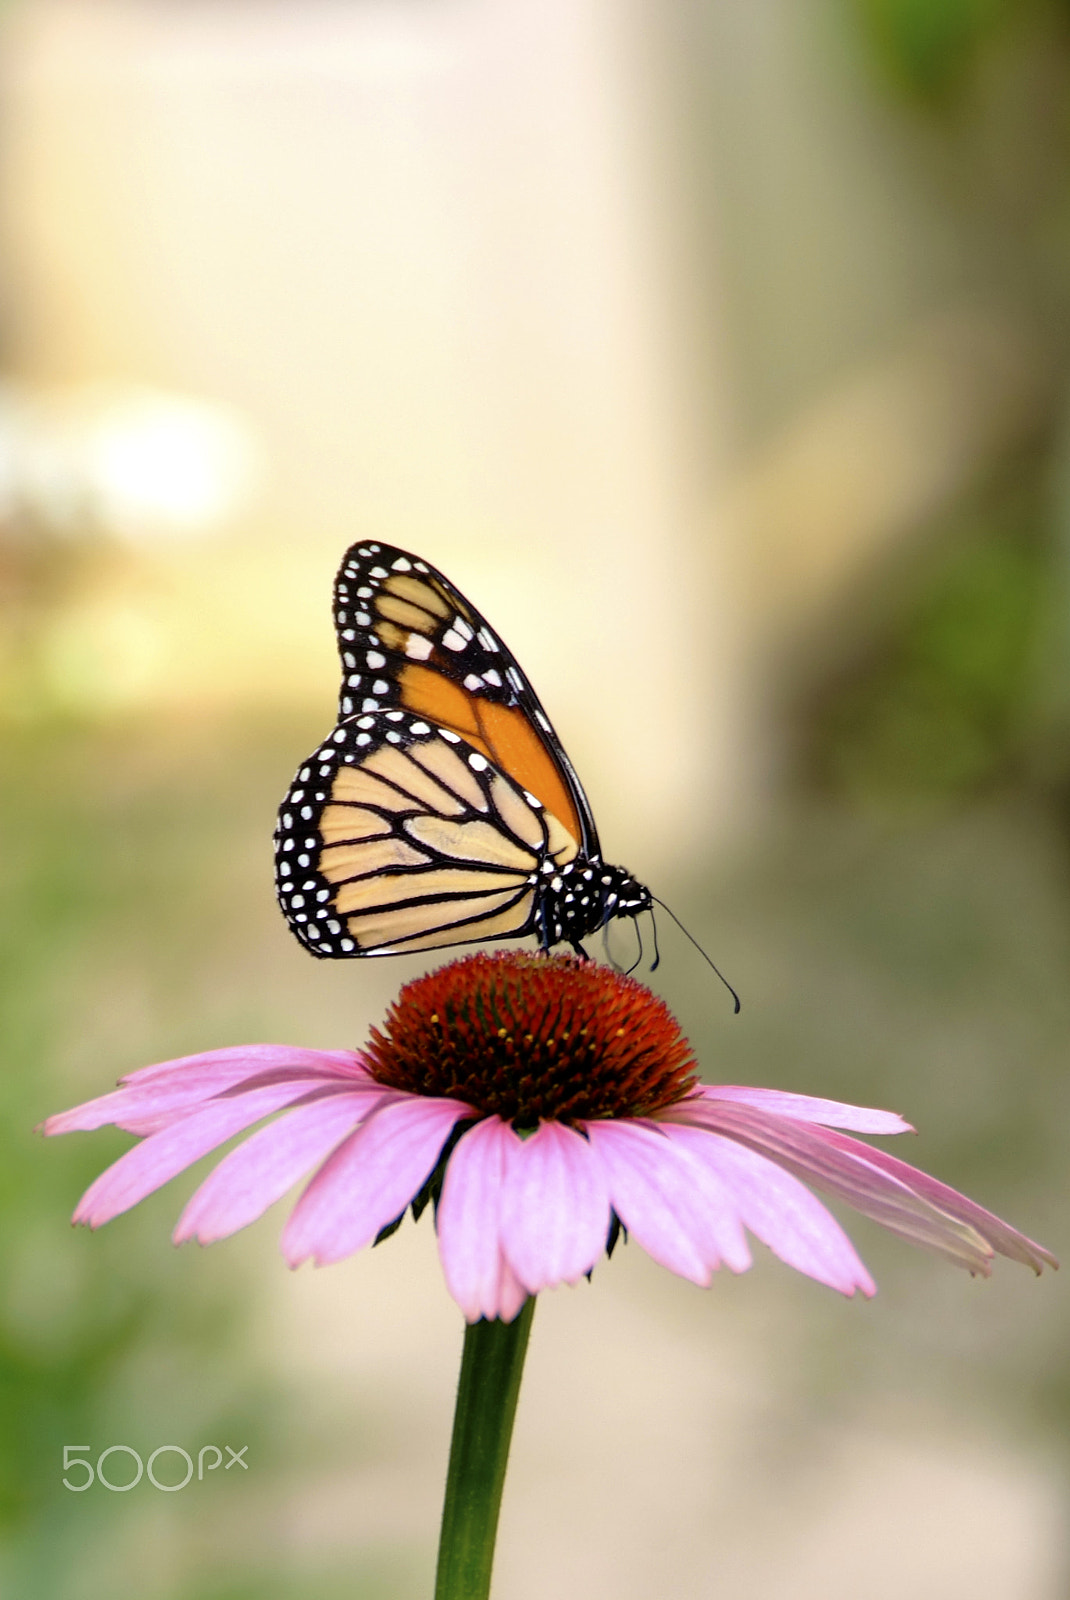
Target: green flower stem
487,1392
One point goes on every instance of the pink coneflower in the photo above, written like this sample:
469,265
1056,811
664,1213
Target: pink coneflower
542,1103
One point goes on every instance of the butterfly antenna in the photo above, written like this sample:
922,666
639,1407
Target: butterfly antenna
701,952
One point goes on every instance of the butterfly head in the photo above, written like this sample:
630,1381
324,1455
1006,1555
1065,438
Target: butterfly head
624,895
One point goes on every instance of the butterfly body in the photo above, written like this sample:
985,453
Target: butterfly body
442,809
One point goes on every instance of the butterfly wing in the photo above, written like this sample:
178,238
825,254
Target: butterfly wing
398,836
410,641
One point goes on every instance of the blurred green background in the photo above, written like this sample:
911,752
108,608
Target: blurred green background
719,352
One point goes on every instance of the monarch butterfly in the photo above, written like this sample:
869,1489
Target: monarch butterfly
442,809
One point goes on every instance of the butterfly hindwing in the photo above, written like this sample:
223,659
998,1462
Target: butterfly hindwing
398,835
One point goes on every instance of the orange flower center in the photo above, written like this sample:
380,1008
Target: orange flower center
528,1036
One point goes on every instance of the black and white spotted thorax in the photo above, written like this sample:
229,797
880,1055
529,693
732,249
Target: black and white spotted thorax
577,900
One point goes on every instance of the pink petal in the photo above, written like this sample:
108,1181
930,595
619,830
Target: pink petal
370,1178
477,1273
155,1096
832,1113
259,1171
948,1202
894,1194
512,1294
257,1057
158,1158
801,1148
554,1208
781,1212
716,1215
661,1196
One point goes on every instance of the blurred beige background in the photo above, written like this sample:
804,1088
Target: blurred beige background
718,353
425,255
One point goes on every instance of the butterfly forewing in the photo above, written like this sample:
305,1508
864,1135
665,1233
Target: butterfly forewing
410,640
